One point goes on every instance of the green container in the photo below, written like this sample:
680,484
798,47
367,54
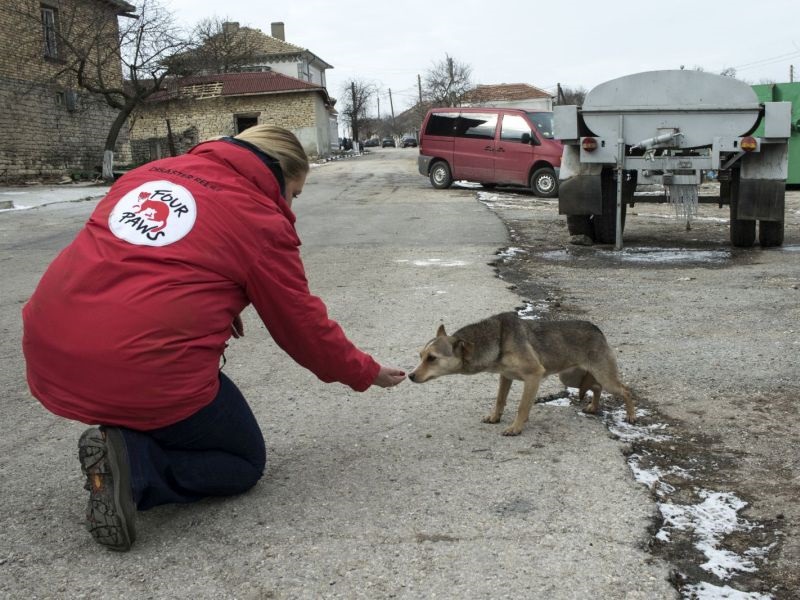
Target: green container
785,92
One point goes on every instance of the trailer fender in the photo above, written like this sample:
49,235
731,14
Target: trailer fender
579,188
762,184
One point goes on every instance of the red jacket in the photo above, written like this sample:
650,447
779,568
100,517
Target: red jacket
129,322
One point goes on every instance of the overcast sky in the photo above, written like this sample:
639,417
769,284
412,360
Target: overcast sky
575,43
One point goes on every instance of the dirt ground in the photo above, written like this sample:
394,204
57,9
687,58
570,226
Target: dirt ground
707,336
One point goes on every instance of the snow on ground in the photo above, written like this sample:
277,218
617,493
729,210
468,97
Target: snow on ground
709,521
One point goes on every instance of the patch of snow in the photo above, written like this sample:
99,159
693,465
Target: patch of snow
710,521
511,252
652,478
627,432
558,402
708,591
531,312
434,262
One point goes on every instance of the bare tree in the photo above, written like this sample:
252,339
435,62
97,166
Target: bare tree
356,95
220,46
447,81
568,95
92,44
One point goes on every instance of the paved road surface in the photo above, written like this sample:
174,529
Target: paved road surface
392,493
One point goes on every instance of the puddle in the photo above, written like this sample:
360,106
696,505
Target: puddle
642,255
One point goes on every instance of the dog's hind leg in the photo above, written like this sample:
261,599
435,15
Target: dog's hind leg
590,383
528,398
612,383
500,404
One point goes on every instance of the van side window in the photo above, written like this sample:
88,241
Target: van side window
477,125
513,128
442,124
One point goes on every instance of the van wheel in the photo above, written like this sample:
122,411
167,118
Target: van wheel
440,175
544,182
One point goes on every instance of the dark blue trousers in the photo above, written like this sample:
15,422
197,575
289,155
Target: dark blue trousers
218,451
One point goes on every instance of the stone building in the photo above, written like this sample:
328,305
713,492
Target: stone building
239,77
50,127
193,109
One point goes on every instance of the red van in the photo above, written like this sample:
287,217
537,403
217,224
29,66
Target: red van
491,146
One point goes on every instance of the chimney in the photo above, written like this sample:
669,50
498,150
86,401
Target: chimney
278,31
230,27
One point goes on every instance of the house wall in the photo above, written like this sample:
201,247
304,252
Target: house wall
299,69
45,133
194,120
286,68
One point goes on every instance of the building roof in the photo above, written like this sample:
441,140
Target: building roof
200,87
504,92
123,8
258,45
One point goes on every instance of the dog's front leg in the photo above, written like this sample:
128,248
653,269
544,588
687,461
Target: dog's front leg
500,404
528,397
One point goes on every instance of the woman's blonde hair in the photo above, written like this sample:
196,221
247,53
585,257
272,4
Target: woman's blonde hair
282,145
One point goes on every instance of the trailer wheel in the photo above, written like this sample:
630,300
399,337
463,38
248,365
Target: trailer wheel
440,175
770,233
605,225
580,225
544,182
743,231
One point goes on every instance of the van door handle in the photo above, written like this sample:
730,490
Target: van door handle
501,149
488,149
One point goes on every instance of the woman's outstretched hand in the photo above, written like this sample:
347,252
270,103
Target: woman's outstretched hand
388,377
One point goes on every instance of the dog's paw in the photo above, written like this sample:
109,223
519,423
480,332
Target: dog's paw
590,410
491,419
512,431
631,419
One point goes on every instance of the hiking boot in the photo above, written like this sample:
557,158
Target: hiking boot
111,512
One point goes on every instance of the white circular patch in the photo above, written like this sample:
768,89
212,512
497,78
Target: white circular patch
156,213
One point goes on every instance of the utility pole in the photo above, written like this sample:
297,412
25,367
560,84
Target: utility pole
450,96
791,73
419,86
391,105
354,116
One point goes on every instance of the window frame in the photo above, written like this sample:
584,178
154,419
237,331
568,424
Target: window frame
50,45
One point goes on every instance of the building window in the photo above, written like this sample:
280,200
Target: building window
50,31
245,121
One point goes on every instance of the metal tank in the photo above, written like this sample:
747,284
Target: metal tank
671,130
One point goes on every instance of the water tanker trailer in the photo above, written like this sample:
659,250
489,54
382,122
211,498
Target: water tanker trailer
671,130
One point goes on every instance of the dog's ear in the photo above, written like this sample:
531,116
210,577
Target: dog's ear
463,348
441,332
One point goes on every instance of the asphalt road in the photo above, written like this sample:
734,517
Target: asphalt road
400,493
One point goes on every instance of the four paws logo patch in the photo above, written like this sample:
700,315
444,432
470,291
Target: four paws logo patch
156,213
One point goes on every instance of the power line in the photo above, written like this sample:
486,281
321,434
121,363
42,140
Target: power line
767,61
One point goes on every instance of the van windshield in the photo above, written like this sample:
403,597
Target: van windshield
543,121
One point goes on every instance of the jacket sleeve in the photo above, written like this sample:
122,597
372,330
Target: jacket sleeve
298,321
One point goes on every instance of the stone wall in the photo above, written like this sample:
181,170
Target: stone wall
51,128
193,120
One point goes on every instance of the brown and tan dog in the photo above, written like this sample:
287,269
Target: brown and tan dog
529,351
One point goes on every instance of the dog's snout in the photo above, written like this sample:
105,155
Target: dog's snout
412,376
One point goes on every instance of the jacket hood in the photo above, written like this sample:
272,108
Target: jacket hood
258,167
